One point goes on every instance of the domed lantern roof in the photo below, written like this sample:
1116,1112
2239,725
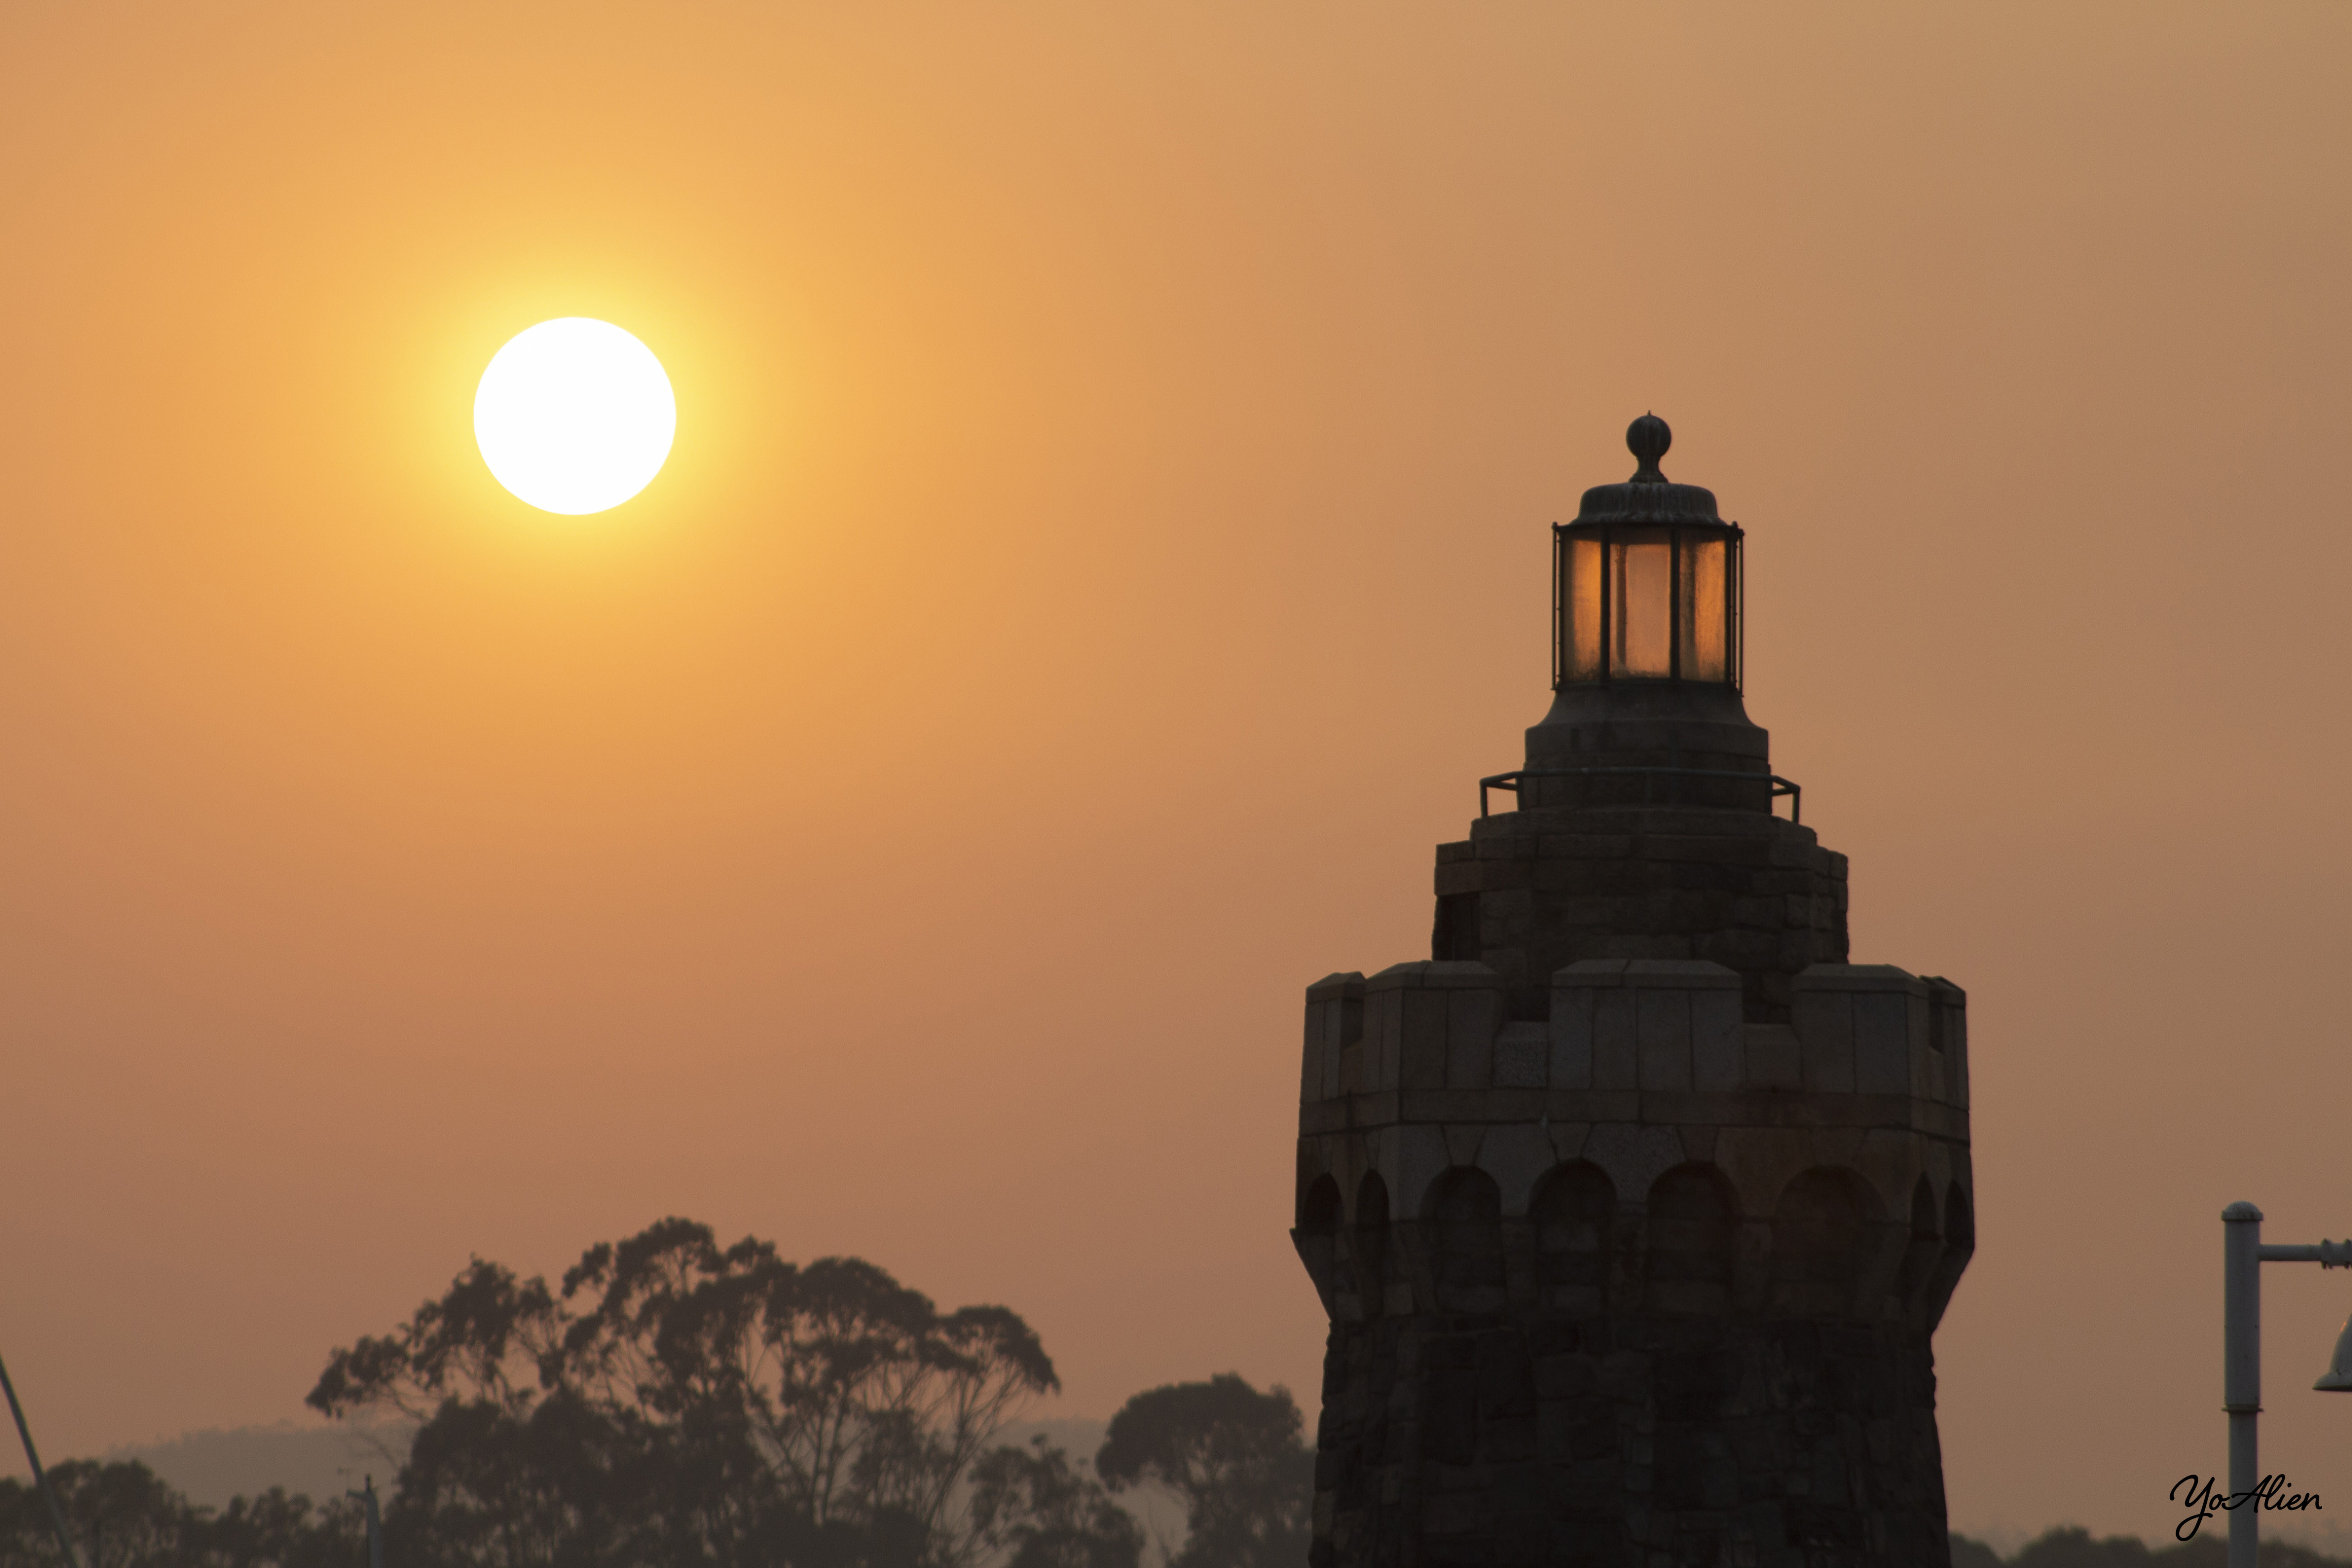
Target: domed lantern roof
1645,581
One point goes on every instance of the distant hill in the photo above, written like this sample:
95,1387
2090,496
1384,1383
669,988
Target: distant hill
322,1460
319,1461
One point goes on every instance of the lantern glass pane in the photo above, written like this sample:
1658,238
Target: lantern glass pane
1580,603
1705,617
1641,631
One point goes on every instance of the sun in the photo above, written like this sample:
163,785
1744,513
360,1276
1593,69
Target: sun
574,416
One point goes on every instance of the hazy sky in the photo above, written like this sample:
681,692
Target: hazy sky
1105,543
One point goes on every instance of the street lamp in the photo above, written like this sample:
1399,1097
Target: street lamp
2243,1256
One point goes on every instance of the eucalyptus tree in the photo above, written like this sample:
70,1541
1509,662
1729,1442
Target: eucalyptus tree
674,1401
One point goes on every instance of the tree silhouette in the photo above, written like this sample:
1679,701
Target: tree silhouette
124,1516
678,1401
1038,1512
1235,1458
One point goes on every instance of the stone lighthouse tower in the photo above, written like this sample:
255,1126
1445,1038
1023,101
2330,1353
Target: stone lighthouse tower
1635,1207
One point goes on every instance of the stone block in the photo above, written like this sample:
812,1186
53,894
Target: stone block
1433,974
1866,1028
1419,1157
1661,1028
1891,1161
1383,1040
1458,877
1566,1137
1719,849
1313,1083
1516,1156
1761,1162
1497,874
1595,1105
1774,1057
1422,1041
1824,1025
1564,1377
1632,947
1688,974
1570,1036
1947,1035
1523,1056
1335,1020
1838,1145
1472,1018
1346,985
1633,1155
1882,1043
1738,950
1616,1063
1719,1039
1467,1105
1587,845
1513,1104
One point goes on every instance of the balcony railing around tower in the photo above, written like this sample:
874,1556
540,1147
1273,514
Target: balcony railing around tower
1653,792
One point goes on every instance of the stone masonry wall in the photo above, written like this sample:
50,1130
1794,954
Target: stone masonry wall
1531,892
1646,1282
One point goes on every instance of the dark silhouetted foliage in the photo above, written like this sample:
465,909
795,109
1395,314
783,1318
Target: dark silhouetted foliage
2073,1547
674,1401
123,1516
1235,1458
1040,1514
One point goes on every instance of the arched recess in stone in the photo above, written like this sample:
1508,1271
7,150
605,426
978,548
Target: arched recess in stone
1465,1207
1317,1237
1818,1230
1571,1212
1926,1245
1960,1227
1319,1211
1371,1238
1692,1228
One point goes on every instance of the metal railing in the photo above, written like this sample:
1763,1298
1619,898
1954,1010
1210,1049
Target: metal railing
1780,786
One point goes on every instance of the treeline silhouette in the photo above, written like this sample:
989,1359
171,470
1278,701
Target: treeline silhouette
2069,1547
673,1404
676,1404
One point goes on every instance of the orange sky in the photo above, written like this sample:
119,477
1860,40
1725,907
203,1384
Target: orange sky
1105,543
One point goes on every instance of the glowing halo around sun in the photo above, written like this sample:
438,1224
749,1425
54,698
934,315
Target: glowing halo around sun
574,416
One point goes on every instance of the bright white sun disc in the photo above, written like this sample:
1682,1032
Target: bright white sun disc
574,416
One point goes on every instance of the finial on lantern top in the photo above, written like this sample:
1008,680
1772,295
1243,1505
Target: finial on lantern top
1648,439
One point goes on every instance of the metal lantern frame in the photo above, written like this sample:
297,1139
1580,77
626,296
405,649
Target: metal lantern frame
1678,533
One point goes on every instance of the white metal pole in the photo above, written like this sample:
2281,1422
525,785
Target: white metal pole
2242,1370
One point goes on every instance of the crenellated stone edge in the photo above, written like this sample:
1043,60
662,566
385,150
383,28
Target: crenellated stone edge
1625,1026
1643,1067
